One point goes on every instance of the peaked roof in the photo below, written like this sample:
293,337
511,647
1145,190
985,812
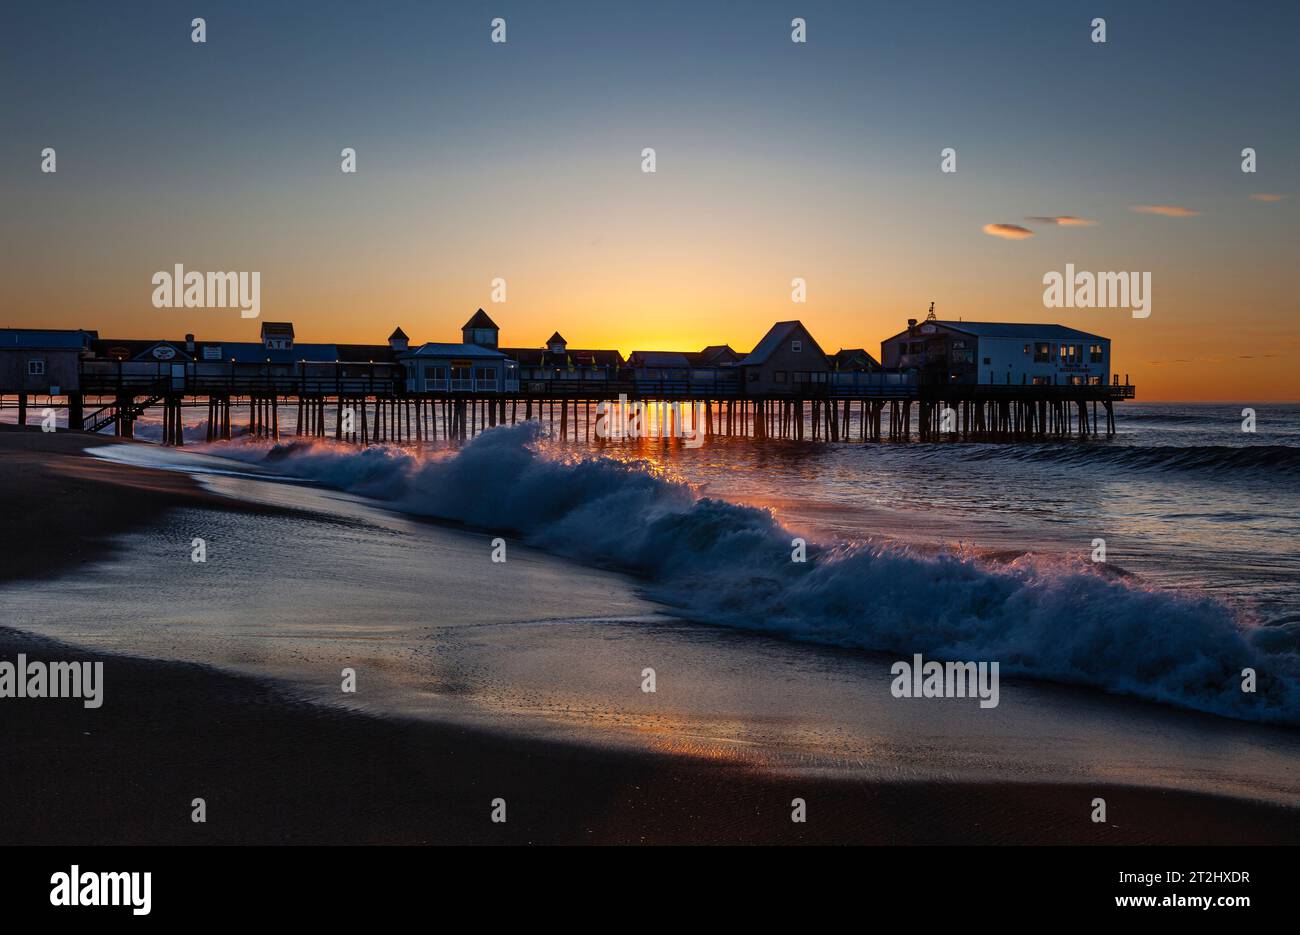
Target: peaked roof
1005,329
556,338
715,352
436,349
772,340
398,334
846,356
659,359
480,319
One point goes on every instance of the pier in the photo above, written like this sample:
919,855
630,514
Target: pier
937,380
372,405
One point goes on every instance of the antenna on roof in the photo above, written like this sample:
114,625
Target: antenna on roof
931,317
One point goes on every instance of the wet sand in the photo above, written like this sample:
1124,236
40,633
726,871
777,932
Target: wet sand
58,506
276,771
274,768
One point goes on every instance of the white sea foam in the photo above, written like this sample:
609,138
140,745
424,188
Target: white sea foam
730,565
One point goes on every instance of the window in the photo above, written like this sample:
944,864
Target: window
1094,381
753,376
1042,381
1069,353
796,347
988,360
1026,348
486,377
1042,353
35,368
779,376
1094,354
958,345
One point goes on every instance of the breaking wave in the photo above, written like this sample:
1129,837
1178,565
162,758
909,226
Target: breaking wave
731,565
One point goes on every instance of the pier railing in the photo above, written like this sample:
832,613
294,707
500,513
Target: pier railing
205,378
346,378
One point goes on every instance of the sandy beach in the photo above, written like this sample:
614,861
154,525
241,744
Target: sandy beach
276,765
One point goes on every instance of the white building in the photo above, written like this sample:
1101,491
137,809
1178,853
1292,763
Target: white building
998,353
472,366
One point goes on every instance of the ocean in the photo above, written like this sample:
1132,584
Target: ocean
653,553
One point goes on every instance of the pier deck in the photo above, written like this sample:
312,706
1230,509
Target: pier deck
368,402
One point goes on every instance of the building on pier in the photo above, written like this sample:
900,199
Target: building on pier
42,360
277,335
717,355
787,361
947,373
997,353
480,330
853,360
277,348
558,361
652,366
275,365
710,372
534,367
458,368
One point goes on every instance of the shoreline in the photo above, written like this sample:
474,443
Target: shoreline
52,469
308,774
273,769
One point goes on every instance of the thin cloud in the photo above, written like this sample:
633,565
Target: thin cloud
1063,220
1008,231
1206,360
1266,196
1168,211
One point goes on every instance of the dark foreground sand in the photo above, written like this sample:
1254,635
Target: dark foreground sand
275,770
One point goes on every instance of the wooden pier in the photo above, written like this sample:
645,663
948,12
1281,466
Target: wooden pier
367,403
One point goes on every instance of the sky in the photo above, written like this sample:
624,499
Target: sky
775,160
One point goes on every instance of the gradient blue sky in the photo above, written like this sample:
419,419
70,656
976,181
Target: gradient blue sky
775,160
